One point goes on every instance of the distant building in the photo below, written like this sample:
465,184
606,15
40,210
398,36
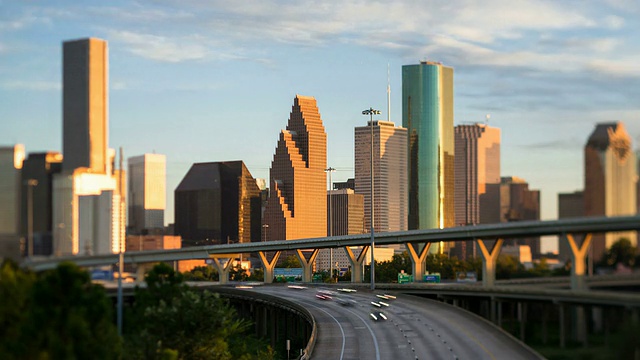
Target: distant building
347,216
349,184
389,173
519,203
427,114
89,195
147,192
217,203
570,205
11,161
477,180
153,242
521,252
609,180
297,204
40,167
85,105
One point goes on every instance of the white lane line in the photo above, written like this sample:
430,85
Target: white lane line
334,319
375,341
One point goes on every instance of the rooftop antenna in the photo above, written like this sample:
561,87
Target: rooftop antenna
486,119
388,95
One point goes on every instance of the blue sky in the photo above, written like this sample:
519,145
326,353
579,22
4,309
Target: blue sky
215,80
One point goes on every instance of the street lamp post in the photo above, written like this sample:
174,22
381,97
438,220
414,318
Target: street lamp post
31,183
264,232
330,170
371,111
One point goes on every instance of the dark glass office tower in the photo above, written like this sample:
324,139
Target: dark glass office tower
218,203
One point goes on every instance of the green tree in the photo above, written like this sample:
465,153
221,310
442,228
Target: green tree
201,273
15,287
291,262
256,275
621,252
508,267
68,318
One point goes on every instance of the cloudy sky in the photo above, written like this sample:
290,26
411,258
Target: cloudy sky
215,80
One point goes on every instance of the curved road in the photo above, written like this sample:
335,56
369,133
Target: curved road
415,328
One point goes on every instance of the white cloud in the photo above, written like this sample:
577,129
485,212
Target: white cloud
32,85
161,48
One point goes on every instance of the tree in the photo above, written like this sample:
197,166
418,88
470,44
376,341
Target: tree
291,262
201,273
15,286
67,317
621,252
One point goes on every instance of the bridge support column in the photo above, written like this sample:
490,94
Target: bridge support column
307,271
489,259
356,263
268,265
223,268
417,259
562,325
578,260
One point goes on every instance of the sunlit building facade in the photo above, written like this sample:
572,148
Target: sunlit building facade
477,179
147,192
427,114
389,172
297,203
519,203
609,180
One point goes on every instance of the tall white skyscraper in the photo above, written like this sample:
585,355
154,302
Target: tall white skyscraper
147,192
389,171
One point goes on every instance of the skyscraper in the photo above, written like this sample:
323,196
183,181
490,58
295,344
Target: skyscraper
297,203
570,205
477,179
40,167
218,203
609,180
11,159
85,105
147,192
389,171
519,203
427,113
88,195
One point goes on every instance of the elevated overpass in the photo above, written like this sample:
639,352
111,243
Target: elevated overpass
417,242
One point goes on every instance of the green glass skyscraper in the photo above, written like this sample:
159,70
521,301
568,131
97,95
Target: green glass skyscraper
427,113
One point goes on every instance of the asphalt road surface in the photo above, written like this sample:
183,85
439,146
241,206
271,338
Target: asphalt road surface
415,328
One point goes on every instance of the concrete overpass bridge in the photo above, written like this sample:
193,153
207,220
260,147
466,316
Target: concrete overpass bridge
417,242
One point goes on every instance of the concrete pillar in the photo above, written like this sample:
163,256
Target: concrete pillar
141,271
307,271
522,317
499,305
489,260
417,259
268,265
356,263
578,260
223,264
562,327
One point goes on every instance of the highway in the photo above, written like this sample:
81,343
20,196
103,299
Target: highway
415,328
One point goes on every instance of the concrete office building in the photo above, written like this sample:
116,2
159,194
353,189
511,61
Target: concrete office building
427,113
477,180
519,203
347,218
85,105
570,205
11,159
89,194
297,203
609,180
37,206
147,192
218,203
389,171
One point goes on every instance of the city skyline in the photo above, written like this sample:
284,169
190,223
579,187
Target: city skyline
547,73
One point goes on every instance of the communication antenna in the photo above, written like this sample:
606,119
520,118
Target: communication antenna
486,119
388,95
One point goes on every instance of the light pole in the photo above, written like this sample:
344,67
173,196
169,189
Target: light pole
264,232
31,183
330,170
371,111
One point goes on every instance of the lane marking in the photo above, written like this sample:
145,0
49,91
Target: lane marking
334,319
375,341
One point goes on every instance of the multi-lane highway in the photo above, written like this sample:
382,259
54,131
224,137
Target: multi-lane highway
415,328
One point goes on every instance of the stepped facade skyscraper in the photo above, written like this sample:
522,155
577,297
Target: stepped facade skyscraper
297,203
609,180
427,113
